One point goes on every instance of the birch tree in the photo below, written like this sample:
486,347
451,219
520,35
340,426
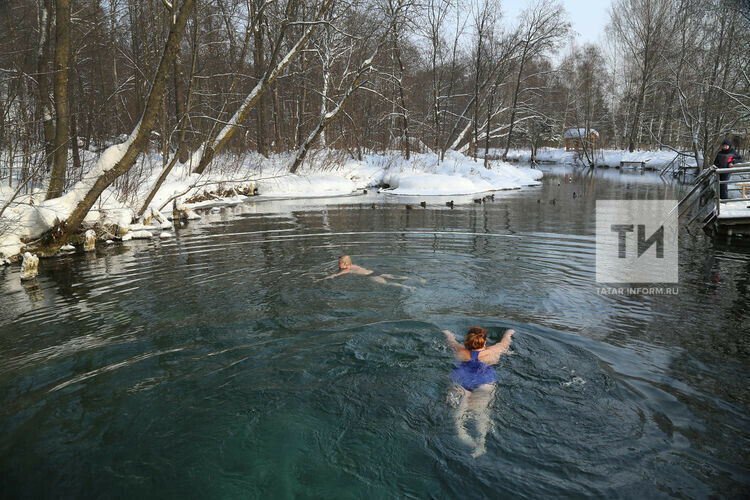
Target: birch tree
205,154
356,79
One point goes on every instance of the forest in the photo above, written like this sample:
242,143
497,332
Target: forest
88,86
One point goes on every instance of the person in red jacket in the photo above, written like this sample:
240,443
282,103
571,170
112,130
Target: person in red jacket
725,158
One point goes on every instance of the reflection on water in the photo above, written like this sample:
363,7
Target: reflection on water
213,364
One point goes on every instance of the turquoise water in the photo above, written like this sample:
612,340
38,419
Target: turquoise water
215,365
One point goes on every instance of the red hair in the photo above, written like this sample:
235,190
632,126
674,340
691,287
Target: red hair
476,338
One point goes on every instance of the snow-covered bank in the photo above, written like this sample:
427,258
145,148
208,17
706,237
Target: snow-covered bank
457,174
327,173
612,158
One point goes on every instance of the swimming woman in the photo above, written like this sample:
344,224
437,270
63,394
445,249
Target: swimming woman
474,379
347,267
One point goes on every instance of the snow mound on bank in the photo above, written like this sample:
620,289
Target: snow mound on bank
311,185
425,175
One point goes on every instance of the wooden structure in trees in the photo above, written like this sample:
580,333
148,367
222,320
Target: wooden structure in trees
575,137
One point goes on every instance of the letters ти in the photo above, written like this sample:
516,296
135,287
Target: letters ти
621,229
643,243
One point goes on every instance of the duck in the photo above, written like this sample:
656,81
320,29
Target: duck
409,207
477,200
449,203
423,204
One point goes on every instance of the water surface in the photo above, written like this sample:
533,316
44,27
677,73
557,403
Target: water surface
215,365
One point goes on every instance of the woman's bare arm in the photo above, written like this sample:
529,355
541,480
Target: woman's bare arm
492,354
345,271
459,351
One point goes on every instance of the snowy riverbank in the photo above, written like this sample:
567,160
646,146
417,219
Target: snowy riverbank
326,174
609,158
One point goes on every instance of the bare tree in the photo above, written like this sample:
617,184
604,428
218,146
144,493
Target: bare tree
356,81
543,27
644,28
209,149
118,159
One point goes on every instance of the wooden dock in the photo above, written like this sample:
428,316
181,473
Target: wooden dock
714,214
733,213
633,164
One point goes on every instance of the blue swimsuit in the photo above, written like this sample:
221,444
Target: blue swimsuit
472,374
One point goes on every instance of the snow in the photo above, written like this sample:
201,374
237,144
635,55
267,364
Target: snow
325,173
26,220
458,174
29,266
139,235
612,158
10,244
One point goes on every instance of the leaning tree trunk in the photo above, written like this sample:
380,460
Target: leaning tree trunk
181,123
212,146
355,83
118,159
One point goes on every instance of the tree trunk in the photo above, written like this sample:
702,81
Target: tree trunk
74,143
179,102
62,57
213,145
120,158
487,138
183,131
301,103
277,121
402,96
45,30
260,109
324,96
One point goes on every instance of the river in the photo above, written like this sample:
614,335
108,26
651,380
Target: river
215,364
